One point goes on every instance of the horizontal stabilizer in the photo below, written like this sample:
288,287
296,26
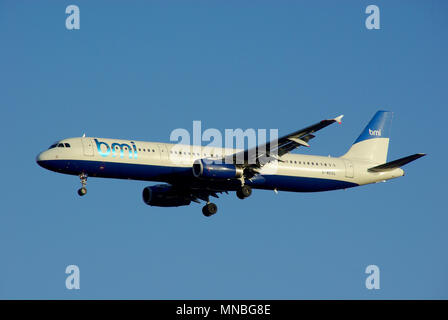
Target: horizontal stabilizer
396,163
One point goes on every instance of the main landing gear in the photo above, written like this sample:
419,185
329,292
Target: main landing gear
83,190
243,192
209,209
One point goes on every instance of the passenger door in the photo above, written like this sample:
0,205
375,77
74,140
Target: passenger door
87,145
349,170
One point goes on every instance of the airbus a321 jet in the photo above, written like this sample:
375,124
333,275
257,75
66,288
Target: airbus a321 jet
194,173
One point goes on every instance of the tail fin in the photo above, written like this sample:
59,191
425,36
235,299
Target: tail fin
373,142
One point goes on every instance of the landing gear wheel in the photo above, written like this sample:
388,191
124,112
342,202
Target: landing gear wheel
82,191
209,209
244,192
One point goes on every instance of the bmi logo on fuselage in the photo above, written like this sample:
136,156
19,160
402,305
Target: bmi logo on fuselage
375,132
115,147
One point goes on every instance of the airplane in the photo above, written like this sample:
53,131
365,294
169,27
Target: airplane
192,173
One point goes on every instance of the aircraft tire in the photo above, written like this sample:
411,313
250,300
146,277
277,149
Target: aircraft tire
82,191
209,209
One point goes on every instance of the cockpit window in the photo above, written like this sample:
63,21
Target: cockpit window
59,145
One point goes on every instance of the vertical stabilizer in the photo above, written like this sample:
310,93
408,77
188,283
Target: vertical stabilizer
373,142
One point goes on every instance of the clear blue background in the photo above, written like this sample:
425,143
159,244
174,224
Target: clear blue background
138,70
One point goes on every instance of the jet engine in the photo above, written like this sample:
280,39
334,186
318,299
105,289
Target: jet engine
163,195
212,169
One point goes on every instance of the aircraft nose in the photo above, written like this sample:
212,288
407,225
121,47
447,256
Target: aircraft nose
41,158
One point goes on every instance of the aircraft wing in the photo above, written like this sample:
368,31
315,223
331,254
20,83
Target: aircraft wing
260,155
252,160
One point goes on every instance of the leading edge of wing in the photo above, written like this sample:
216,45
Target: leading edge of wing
282,146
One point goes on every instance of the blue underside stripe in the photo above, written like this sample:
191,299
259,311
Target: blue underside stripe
162,173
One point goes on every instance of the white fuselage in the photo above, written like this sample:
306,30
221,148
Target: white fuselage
152,161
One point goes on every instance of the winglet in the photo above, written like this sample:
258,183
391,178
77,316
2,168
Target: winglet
339,119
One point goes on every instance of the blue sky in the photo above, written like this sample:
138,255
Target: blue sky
139,70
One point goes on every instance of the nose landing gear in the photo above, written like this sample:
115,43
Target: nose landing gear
83,190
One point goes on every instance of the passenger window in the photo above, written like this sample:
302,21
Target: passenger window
153,150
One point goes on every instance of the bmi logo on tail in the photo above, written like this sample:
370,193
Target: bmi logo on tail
375,132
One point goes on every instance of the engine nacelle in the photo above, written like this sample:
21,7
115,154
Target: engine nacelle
210,169
163,195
